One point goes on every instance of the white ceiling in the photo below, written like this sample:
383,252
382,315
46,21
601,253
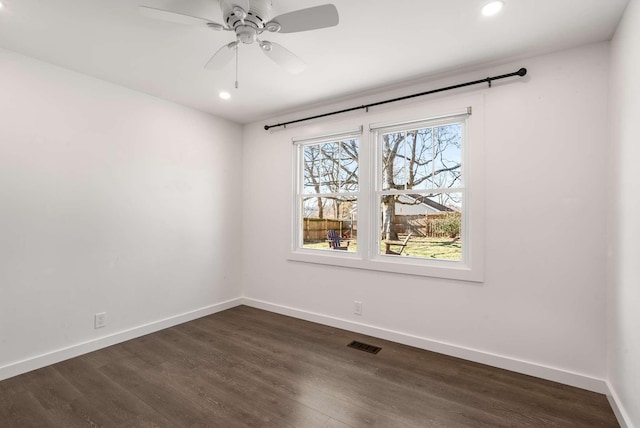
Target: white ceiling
377,43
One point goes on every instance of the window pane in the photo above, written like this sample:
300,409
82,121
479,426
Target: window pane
394,172
447,156
321,217
331,167
421,159
348,173
424,158
311,173
424,226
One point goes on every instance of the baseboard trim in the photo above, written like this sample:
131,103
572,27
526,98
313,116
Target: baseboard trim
43,360
525,367
618,408
519,366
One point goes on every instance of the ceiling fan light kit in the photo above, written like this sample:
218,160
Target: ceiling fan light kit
248,19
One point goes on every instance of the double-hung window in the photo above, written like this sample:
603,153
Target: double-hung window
419,192
396,198
327,192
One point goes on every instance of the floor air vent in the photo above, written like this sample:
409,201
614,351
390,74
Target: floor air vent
364,347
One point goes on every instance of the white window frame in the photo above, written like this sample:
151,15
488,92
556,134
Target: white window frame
298,184
471,267
377,130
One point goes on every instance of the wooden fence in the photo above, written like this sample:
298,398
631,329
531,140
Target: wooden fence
315,229
421,225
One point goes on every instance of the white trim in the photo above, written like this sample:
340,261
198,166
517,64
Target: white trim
355,133
403,265
43,360
520,366
618,409
411,124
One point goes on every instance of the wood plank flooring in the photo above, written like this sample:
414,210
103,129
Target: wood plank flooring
249,368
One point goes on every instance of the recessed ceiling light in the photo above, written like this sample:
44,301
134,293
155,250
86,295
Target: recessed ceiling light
492,8
224,95
1,5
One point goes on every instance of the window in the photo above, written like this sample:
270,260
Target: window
395,199
327,194
419,189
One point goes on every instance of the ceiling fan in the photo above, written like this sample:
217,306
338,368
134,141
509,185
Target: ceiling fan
248,19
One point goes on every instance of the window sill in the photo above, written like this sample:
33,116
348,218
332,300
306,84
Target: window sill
392,264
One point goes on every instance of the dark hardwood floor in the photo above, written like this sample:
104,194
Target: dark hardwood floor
250,368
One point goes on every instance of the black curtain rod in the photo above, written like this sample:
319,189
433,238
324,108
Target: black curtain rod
521,72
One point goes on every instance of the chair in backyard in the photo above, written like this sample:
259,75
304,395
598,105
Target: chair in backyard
334,241
400,244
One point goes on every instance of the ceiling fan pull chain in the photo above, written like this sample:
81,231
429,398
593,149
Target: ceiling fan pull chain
237,67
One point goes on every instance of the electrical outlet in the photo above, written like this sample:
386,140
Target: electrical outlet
100,320
357,307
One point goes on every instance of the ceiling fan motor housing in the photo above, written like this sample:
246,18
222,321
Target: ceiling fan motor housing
247,24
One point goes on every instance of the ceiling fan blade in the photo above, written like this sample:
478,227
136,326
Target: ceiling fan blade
311,18
222,56
179,18
283,57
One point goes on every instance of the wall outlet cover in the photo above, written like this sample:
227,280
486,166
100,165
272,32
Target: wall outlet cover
100,320
357,307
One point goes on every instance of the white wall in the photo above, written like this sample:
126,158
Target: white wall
110,201
541,308
624,292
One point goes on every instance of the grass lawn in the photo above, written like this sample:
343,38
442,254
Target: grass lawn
427,248
434,248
